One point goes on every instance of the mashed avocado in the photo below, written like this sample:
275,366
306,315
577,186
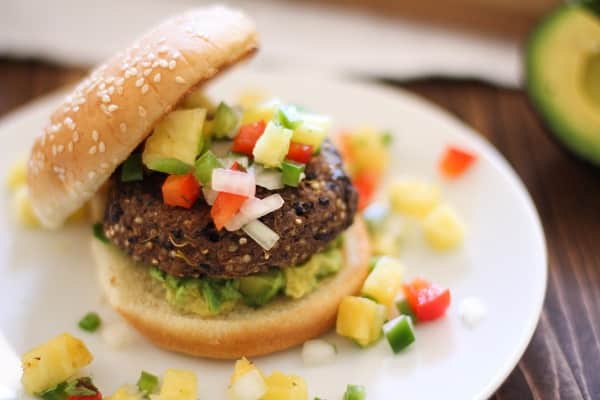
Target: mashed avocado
209,297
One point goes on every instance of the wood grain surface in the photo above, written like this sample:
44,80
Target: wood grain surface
563,359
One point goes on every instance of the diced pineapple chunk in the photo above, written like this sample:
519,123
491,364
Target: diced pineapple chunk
312,130
198,99
272,147
23,209
285,387
179,384
247,382
413,197
384,282
250,98
366,150
443,228
261,112
178,136
360,319
125,392
53,362
17,174
241,367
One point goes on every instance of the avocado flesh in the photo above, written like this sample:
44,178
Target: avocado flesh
563,78
259,289
208,297
592,78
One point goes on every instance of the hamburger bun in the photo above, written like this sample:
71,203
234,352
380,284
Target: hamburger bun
114,109
281,324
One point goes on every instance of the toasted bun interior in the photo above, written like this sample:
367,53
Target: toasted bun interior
114,109
281,324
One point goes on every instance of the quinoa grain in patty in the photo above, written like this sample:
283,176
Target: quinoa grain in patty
184,242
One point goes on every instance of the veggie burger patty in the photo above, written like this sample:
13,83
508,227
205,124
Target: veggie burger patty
185,243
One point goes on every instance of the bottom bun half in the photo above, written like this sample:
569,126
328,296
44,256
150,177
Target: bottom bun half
281,324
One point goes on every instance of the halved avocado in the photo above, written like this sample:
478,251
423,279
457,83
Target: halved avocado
563,77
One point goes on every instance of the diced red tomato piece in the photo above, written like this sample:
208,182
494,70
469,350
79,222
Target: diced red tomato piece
247,136
455,162
300,152
180,190
96,396
226,205
365,183
427,300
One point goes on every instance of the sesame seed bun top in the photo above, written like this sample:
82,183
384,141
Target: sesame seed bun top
114,109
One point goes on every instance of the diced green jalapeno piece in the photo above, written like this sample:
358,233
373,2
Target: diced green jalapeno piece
147,383
204,167
404,309
98,231
355,392
225,121
291,173
399,333
90,322
132,169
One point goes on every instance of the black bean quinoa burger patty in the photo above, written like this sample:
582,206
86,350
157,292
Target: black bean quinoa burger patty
184,242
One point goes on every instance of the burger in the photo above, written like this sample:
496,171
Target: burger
221,231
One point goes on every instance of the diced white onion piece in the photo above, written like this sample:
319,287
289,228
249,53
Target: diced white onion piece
268,178
209,195
234,182
261,234
250,386
254,208
472,311
315,352
118,334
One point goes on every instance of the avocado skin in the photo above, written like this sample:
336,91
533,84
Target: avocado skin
566,132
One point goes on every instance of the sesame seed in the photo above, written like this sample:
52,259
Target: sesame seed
69,123
75,137
145,89
123,127
93,150
141,111
145,64
101,147
138,220
172,64
76,108
119,81
95,135
105,98
179,79
243,240
163,63
157,78
112,107
151,56
139,82
162,49
147,71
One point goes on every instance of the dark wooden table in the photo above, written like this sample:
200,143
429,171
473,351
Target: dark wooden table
563,359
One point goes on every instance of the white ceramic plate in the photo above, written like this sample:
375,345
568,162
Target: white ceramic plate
48,279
